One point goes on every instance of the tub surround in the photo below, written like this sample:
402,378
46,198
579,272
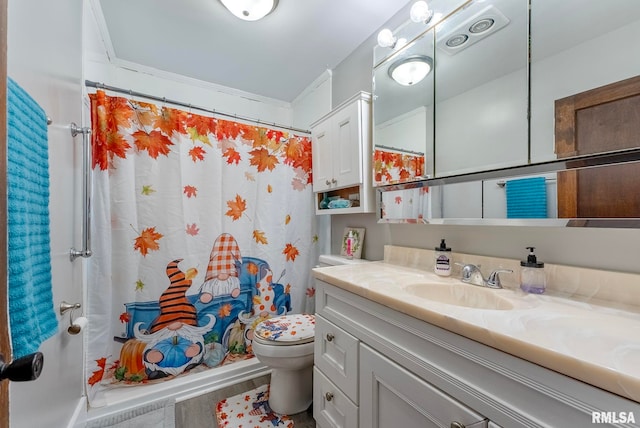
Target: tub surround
586,325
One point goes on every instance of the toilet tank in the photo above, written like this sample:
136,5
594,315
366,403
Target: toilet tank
334,260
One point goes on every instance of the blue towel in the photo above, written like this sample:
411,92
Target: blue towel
527,198
32,317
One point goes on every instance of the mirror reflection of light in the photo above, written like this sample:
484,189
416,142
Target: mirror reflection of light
411,70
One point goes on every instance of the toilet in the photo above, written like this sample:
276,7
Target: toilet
285,344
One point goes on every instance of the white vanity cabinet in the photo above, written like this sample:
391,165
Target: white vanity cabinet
391,396
414,374
335,376
342,152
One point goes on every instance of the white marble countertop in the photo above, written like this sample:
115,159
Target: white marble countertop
591,340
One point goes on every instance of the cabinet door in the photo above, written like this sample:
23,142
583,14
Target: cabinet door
336,355
322,156
347,144
331,408
391,396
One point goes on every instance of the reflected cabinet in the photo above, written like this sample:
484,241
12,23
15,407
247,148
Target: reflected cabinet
529,112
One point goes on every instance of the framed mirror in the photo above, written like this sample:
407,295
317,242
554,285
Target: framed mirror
584,83
577,46
482,82
403,86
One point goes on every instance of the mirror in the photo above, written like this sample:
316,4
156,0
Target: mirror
577,48
403,113
481,82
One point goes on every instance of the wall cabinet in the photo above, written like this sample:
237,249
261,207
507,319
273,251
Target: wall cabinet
413,374
341,146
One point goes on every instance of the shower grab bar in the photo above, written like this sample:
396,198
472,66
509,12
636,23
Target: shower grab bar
86,192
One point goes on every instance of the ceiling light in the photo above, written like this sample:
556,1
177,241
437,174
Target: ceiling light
250,10
411,70
386,39
420,12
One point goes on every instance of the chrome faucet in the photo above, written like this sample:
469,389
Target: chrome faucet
472,274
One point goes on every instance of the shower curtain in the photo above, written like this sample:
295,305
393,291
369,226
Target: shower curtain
202,227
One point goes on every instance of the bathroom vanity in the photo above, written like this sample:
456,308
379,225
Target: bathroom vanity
396,345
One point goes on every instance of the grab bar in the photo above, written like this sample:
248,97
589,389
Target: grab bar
86,192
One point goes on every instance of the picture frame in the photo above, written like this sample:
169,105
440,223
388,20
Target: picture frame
358,239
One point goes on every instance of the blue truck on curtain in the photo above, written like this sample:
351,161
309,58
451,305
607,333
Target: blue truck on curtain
178,332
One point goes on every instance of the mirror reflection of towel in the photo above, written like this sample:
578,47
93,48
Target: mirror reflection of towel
527,198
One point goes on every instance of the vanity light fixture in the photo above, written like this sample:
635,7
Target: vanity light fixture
410,70
420,12
386,39
250,10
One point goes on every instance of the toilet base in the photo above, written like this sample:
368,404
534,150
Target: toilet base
291,391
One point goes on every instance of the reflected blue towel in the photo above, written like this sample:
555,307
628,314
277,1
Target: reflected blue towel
527,198
31,315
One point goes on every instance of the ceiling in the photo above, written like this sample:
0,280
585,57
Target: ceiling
276,57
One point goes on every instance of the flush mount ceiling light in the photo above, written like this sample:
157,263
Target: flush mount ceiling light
250,10
410,70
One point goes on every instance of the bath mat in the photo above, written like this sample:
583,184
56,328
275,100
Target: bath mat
250,409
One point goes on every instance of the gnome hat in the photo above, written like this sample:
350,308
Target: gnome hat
174,305
224,254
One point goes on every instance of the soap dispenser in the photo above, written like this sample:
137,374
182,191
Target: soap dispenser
532,278
442,265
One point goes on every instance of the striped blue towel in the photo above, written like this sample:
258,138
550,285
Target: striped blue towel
31,314
527,198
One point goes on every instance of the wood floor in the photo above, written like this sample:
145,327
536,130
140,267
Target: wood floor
200,412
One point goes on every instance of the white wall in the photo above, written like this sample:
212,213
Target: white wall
45,58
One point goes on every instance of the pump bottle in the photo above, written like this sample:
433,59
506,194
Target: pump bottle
532,278
442,265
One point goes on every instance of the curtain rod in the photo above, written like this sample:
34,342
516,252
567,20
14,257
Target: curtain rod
411,152
90,84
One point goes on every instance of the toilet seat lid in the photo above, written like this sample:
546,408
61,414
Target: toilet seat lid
287,329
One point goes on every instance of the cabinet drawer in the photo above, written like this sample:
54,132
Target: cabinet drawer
336,355
332,408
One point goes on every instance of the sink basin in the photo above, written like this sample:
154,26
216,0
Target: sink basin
460,295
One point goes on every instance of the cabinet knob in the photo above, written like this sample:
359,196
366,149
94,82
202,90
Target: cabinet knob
329,397
329,337
327,182
334,181
456,425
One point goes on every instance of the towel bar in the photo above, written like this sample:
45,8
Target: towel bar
86,192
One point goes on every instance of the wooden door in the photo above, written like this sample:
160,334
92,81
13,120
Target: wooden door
5,345
600,120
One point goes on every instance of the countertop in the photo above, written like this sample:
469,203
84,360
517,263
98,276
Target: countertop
597,342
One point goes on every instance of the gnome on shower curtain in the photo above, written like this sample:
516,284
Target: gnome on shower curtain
222,272
174,341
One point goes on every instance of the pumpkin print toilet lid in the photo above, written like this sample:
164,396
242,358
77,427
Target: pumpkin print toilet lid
287,328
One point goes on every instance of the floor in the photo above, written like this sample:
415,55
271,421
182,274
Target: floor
200,412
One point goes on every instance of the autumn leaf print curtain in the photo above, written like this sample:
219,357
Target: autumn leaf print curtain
203,227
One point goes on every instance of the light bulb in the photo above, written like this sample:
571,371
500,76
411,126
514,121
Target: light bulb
420,12
386,39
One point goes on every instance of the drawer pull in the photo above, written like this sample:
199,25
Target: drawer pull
328,396
330,337
456,424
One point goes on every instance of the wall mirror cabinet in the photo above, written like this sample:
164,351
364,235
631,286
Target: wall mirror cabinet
539,133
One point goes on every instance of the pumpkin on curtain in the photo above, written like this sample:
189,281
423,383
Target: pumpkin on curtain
202,228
